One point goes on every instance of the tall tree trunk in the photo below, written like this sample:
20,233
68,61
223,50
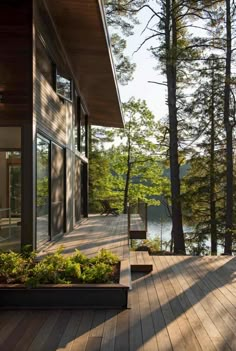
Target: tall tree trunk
127,180
229,131
212,170
171,45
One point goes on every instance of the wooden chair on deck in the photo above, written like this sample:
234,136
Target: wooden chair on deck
107,209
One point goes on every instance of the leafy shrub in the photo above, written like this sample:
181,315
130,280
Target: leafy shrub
13,267
56,268
78,257
97,273
105,256
153,246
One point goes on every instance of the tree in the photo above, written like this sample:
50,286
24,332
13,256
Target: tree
131,166
204,183
229,122
120,18
137,160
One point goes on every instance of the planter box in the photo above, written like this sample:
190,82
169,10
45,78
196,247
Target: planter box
105,296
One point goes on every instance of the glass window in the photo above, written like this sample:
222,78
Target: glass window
82,133
42,201
77,190
63,86
10,188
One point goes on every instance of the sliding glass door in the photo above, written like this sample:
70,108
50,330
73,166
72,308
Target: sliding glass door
50,190
42,190
10,188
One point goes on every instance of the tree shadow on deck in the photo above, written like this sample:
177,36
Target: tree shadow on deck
194,290
173,301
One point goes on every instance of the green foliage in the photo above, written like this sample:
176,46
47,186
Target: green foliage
42,191
97,273
56,268
13,267
131,167
105,256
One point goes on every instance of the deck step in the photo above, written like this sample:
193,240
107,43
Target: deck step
140,261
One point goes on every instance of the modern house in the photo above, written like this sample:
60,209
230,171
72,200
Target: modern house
56,79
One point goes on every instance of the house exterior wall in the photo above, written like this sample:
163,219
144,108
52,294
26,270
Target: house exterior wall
16,90
31,102
54,117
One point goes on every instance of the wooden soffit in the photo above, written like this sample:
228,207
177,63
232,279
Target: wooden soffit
82,30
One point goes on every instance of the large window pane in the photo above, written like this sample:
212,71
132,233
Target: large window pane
10,188
77,202
83,133
42,191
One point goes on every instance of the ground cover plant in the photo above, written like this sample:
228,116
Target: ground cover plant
24,268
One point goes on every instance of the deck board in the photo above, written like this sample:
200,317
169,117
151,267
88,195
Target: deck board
185,303
109,331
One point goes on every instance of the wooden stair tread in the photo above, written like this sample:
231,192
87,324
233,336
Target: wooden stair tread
140,261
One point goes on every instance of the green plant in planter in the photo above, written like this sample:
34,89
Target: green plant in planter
78,257
56,268
13,267
97,273
105,256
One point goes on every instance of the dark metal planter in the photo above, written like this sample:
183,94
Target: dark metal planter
105,296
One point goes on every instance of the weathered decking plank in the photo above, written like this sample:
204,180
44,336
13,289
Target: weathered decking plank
135,327
148,333
109,332
70,331
81,337
197,327
189,337
199,304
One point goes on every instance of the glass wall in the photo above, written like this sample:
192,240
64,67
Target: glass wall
50,190
42,193
77,196
10,188
82,133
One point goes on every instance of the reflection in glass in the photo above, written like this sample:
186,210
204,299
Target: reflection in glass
82,139
10,200
82,133
63,86
77,189
42,191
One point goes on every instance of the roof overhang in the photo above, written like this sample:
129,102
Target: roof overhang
82,29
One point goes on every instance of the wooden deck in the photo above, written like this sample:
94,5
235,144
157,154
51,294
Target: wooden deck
95,233
186,303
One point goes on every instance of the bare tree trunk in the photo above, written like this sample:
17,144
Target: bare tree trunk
127,180
212,172
229,139
171,45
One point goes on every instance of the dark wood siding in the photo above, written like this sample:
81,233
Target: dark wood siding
51,112
16,61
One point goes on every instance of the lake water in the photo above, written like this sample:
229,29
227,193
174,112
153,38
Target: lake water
159,225
163,231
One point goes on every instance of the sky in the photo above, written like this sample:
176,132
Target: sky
155,95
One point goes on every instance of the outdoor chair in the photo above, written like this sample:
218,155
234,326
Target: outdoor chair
107,209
